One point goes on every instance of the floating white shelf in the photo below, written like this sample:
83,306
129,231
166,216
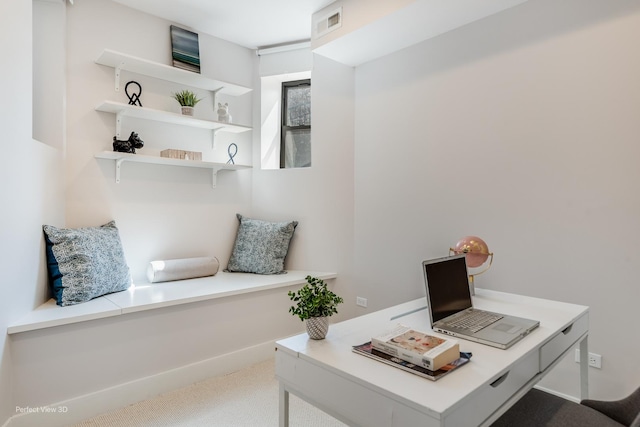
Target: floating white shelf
139,158
126,110
122,61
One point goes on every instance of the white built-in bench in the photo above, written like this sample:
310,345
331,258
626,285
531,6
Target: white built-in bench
150,296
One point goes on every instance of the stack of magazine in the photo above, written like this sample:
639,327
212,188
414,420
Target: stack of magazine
422,354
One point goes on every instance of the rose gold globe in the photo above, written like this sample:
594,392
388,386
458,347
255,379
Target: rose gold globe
477,253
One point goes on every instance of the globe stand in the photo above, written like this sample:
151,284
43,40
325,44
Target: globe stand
472,286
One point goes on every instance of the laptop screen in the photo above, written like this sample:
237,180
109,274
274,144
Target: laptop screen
447,284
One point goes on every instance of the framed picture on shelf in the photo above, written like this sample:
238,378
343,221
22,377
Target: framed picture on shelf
185,49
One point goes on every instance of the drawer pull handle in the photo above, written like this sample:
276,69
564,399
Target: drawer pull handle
567,329
500,380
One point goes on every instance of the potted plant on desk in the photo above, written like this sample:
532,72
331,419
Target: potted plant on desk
314,305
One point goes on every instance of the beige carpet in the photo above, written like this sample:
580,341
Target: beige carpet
245,398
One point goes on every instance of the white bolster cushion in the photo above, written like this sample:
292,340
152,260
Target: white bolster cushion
179,269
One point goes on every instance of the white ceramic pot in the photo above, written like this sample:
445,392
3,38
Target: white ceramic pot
317,327
187,111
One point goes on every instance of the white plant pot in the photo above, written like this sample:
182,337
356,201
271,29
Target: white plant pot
317,327
187,111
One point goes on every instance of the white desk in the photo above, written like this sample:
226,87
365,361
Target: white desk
363,392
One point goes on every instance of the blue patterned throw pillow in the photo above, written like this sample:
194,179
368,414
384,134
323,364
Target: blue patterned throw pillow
85,263
261,246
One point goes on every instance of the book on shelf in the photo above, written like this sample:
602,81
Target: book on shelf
419,348
367,350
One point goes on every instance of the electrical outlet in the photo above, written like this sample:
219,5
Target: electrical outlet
595,360
362,302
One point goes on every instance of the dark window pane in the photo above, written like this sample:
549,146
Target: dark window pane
297,144
298,106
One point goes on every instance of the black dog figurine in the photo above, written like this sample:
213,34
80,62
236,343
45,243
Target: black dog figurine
128,146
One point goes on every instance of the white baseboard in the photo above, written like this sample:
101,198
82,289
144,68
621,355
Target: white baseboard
555,393
90,405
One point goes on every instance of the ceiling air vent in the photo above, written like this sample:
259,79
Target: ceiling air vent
327,22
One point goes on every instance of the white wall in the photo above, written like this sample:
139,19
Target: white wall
273,70
162,212
320,198
271,116
355,14
520,128
31,188
49,72
173,212
523,129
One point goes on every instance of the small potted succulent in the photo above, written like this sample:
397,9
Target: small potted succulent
187,101
314,305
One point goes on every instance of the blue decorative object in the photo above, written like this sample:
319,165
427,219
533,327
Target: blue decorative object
232,153
261,246
85,263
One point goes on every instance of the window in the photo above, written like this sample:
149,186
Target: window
295,136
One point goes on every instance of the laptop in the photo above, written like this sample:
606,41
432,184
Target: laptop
451,310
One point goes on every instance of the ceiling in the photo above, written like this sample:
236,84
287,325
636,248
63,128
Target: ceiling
249,23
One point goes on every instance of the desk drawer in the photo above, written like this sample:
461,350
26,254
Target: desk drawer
561,341
487,399
349,401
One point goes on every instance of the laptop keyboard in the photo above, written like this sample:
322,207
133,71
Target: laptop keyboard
475,321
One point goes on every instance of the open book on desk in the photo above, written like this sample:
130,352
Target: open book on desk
367,350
